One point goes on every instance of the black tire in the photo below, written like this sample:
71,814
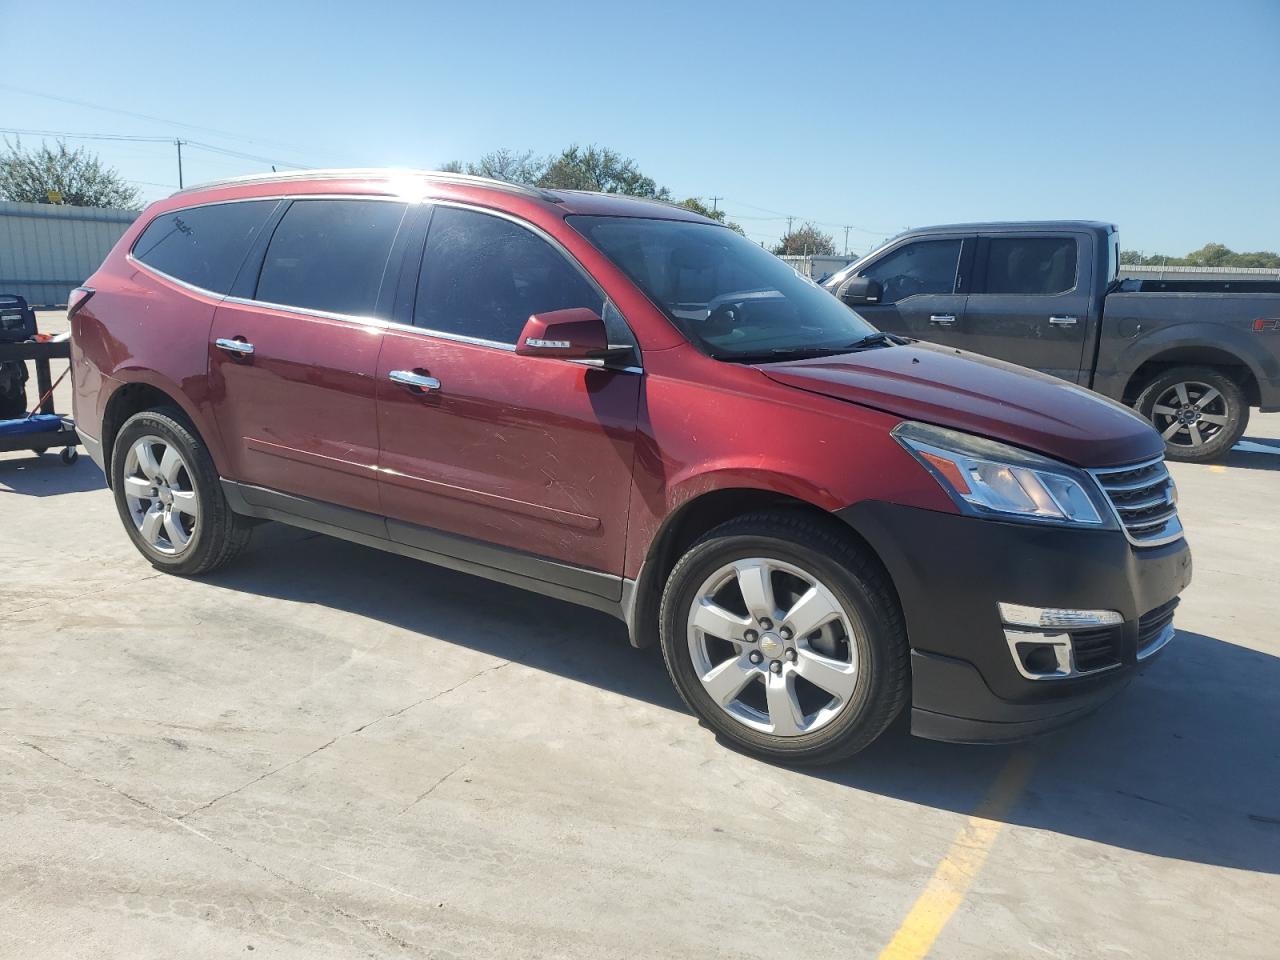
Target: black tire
13,402
861,588
1161,403
219,534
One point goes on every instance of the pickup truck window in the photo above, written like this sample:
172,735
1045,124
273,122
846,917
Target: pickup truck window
926,266
1030,265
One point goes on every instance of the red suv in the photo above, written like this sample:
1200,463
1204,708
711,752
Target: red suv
628,406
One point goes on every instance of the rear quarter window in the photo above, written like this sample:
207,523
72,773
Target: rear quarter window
203,246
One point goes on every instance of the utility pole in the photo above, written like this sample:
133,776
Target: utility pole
846,241
789,219
714,200
178,144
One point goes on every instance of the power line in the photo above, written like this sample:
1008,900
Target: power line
145,116
199,144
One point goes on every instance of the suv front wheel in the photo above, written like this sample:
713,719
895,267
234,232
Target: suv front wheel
785,638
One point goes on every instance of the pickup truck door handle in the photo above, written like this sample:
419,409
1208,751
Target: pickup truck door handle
943,319
1064,321
415,381
239,347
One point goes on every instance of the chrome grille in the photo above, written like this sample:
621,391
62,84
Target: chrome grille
1142,496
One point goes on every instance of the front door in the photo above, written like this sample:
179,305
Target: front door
291,369
920,280
529,453
1031,300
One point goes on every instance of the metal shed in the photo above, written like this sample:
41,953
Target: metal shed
47,250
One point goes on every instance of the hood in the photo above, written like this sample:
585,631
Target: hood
951,388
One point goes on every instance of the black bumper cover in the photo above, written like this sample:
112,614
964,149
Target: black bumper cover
951,571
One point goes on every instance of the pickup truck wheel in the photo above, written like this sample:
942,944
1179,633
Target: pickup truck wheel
169,498
1199,411
785,638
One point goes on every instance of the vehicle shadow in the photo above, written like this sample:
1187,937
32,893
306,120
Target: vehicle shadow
1185,763
45,475
1254,453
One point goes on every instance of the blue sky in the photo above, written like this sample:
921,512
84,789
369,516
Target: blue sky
1163,117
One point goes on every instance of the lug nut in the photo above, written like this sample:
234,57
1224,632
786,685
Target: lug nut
776,666
751,636
785,633
755,656
766,623
791,655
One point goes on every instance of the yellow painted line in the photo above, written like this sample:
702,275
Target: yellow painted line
955,874
1217,468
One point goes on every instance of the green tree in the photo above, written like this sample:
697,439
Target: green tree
601,169
1210,255
28,176
513,166
697,206
805,240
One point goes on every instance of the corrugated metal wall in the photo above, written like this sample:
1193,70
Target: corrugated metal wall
47,250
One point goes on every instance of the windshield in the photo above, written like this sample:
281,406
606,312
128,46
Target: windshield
731,298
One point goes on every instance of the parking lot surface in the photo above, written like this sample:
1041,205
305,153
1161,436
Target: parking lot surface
325,751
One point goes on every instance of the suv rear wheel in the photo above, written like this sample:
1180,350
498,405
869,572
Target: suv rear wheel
785,638
1199,411
168,495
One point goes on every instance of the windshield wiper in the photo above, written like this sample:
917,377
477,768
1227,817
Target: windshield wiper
879,338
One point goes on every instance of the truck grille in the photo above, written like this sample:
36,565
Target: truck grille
1144,501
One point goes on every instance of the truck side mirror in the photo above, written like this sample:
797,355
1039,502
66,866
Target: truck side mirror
860,291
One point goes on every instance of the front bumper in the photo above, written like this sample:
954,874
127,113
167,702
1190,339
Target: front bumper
952,571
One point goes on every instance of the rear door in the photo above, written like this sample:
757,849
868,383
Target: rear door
292,358
532,454
922,282
1031,300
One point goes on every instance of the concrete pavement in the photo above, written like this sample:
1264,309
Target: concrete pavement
329,751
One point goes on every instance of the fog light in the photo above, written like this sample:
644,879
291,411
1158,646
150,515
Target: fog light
1056,618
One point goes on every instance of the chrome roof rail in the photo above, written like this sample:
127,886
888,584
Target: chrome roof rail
378,173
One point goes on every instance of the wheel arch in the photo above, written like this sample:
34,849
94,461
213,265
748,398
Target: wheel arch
135,396
1195,354
693,519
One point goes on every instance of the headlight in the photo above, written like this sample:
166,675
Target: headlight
989,478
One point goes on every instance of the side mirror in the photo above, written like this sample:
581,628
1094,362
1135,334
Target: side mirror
574,334
860,291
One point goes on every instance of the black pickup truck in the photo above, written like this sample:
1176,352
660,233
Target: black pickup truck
1190,355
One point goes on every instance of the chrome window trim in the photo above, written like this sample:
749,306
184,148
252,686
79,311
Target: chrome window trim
1173,527
377,321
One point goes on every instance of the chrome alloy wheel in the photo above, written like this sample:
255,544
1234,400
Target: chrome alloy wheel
772,647
161,496
1190,414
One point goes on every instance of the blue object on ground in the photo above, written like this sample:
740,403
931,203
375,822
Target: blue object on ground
40,423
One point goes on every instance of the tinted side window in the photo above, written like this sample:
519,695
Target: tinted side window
1034,265
926,266
483,276
330,255
203,245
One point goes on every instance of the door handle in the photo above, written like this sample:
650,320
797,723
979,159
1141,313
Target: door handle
943,319
1064,321
417,381
238,347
